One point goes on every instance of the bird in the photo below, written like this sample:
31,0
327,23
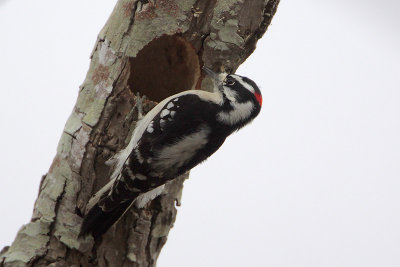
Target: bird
179,133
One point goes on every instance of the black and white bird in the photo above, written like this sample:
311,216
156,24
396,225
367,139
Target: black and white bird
176,135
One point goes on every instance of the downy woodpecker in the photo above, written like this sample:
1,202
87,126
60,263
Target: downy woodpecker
176,135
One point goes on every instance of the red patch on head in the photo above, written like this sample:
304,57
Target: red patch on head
259,98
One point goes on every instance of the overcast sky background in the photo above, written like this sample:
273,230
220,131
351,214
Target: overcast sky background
313,181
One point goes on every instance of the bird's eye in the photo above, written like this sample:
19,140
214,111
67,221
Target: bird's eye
229,81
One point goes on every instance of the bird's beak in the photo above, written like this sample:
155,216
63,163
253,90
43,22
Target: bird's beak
216,77
212,74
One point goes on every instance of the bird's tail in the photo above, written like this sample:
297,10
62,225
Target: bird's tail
98,221
114,199
105,208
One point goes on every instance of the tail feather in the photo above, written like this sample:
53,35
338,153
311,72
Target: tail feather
105,208
114,199
98,221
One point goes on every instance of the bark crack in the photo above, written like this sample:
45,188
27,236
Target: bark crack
132,15
72,135
57,206
268,14
150,239
51,229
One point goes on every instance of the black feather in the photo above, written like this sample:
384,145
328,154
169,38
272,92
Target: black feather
97,221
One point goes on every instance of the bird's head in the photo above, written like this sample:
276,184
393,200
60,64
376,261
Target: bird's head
241,95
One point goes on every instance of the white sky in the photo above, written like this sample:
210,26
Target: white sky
314,181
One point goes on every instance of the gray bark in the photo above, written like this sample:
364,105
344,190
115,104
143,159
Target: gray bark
154,48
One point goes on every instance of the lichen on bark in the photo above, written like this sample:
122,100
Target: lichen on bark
214,33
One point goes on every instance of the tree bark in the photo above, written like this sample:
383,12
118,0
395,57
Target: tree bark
152,48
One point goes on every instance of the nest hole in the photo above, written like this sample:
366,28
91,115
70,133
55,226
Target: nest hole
165,66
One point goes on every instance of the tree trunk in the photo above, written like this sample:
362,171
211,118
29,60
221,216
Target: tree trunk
152,48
